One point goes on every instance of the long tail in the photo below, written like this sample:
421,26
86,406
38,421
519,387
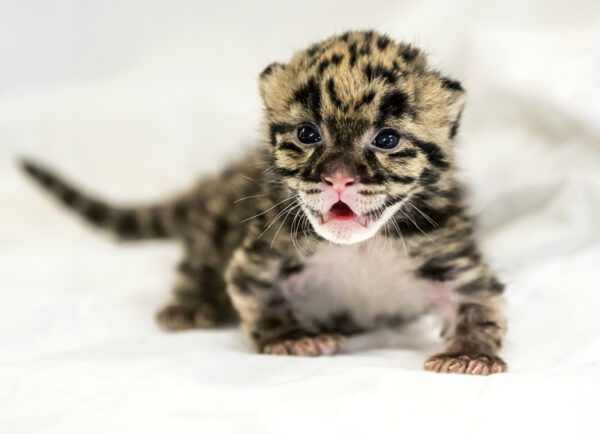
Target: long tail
165,220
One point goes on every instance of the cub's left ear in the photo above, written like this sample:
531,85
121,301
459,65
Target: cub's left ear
455,97
268,81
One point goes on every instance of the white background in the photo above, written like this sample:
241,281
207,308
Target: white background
134,99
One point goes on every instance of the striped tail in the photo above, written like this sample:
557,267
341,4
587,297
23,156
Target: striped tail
166,220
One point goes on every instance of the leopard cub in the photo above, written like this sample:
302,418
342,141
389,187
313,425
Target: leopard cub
347,219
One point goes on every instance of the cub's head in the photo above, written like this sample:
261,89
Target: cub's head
359,127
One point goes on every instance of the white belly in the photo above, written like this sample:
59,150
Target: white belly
366,284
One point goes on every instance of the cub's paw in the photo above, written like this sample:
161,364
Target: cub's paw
308,346
176,317
466,364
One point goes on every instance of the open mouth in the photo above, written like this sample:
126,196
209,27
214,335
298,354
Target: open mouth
342,212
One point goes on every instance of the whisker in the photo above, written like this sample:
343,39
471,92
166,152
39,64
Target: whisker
249,197
292,234
415,223
393,220
282,223
370,193
267,210
295,229
277,217
307,231
429,219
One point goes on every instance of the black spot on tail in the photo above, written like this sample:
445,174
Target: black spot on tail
37,173
68,195
96,212
181,212
157,224
127,225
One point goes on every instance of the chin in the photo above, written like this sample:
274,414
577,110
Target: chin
342,226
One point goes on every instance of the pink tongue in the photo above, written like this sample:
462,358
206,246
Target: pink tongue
340,209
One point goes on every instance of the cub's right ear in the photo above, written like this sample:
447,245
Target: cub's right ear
268,79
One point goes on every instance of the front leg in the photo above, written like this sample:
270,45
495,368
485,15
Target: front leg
476,326
473,313
253,283
473,342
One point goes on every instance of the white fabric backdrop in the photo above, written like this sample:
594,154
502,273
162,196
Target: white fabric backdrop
135,99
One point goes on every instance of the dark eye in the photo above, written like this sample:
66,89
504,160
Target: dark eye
387,139
309,134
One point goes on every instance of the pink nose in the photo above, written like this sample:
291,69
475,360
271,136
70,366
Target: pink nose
339,181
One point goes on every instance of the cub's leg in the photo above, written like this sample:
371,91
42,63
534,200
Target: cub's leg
253,279
199,296
473,341
475,328
473,309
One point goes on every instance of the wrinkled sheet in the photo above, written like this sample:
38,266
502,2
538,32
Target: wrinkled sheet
135,99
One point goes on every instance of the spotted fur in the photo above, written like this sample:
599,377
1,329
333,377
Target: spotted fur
254,246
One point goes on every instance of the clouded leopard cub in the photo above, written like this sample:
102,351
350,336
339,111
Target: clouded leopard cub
346,220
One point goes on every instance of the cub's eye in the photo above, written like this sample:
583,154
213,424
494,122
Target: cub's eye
309,134
387,139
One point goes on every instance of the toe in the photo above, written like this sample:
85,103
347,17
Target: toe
453,366
464,364
305,347
174,317
433,364
276,349
498,367
475,367
330,344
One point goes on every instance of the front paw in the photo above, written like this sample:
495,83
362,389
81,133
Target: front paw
478,364
308,346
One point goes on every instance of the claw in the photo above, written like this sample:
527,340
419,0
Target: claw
465,364
310,346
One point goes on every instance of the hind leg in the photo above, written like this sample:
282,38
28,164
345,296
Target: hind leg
199,299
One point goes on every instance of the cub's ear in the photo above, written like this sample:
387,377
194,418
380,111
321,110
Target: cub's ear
268,81
456,98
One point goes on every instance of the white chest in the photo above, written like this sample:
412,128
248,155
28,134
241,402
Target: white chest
363,284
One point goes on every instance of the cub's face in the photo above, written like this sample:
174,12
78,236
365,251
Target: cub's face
359,127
